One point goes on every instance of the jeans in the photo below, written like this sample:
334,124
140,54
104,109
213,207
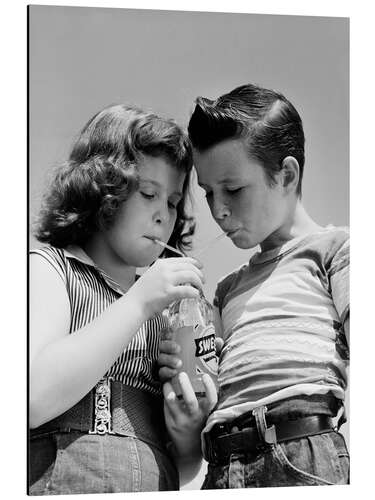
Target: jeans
321,459
77,462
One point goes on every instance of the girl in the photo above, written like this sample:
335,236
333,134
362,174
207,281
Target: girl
96,413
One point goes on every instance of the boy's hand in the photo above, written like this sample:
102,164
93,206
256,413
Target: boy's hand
168,359
185,418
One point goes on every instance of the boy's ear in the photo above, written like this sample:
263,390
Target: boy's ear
290,173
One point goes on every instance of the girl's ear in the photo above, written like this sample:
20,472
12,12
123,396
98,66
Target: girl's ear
290,173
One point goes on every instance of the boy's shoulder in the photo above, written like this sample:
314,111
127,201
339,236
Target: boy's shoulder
227,281
333,234
229,277
330,242
327,246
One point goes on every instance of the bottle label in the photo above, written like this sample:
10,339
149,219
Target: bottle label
205,349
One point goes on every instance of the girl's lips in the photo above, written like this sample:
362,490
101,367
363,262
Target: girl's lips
151,238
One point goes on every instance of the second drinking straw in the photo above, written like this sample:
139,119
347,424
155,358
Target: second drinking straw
202,250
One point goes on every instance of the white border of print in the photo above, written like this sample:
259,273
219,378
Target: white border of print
14,231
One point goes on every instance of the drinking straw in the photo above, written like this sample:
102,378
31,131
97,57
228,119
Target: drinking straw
172,249
201,251
206,247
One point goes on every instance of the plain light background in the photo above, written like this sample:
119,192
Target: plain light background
82,59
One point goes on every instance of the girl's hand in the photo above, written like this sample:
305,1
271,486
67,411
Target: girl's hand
167,280
168,360
185,418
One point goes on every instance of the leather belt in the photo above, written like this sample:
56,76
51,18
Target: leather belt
113,408
220,446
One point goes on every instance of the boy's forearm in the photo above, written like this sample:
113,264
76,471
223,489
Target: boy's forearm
188,458
186,450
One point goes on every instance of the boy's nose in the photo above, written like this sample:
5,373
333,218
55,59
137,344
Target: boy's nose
220,210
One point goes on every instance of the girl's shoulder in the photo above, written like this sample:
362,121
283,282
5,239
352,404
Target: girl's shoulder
54,256
48,251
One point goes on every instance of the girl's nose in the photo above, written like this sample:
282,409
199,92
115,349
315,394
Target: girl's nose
161,215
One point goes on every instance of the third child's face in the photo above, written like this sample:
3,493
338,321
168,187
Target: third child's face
149,212
238,194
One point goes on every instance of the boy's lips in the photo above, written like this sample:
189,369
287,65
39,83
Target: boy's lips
231,233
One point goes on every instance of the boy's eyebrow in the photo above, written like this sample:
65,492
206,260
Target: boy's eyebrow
158,184
229,179
224,181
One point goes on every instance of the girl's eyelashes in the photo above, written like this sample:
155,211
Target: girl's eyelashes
148,196
152,196
233,190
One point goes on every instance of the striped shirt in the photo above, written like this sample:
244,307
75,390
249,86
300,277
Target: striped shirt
283,314
91,291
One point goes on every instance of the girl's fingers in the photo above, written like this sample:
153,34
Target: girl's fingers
188,394
184,260
187,276
188,266
166,374
211,391
186,291
169,360
195,262
195,269
169,347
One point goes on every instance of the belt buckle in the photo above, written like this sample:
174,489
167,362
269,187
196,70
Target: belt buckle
103,417
267,434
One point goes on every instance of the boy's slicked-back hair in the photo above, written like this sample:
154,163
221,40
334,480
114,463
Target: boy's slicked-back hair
87,191
265,120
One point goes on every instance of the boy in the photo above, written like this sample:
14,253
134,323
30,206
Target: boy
284,315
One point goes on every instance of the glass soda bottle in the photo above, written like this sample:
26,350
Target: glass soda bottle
190,324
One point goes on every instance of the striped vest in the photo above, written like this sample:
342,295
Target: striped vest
90,292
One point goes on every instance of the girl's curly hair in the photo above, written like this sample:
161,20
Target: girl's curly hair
101,172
